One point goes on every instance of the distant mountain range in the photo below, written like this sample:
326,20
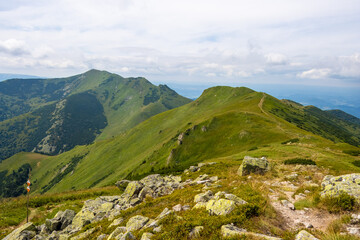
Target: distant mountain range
6,76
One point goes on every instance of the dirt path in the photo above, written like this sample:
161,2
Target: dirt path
296,219
32,214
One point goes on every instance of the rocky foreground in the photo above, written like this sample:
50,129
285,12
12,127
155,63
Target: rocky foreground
70,225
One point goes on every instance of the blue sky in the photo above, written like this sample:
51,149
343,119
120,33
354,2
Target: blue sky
228,42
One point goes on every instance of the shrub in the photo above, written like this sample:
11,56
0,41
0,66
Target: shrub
300,161
352,152
343,202
356,163
294,140
253,148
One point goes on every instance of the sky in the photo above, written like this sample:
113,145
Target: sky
187,42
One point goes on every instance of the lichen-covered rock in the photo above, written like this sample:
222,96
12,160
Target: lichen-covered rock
195,232
334,186
304,235
238,201
133,189
61,220
26,230
126,236
83,235
117,232
147,236
136,222
102,237
116,222
220,207
83,218
231,231
203,197
253,165
164,213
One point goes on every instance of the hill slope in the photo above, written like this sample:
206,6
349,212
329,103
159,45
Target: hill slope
224,123
54,115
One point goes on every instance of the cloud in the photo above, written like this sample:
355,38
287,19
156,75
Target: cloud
350,65
13,47
315,73
276,59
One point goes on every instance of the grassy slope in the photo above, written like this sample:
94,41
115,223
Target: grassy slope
236,122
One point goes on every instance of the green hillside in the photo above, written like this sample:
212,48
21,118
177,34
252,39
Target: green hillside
224,124
54,115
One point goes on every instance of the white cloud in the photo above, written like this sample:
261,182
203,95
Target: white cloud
13,47
276,58
315,73
350,65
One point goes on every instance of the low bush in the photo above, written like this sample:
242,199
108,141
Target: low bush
294,140
356,163
352,152
341,203
299,161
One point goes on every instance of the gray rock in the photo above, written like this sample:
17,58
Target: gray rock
177,208
136,222
164,213
117,232
116,222
195,232
334,186
102,237
203,197
122,184
133,189
304,235
253,165
220,207
28,229
238,201
147,236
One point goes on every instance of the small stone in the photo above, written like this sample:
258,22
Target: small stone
158,229
177,208
102,237
203,197
147,236
195,232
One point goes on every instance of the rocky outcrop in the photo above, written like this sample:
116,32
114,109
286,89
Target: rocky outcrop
26,231
220,207
230,231
304,235
136,223
253,165
334,186
61,220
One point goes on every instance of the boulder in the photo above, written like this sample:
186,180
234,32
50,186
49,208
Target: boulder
116,222
84,235
147,236
83,218
136,223
304,235
200,205
126,236
164,213
253,165
334,186
26,230
203,197
133,189
117,232
238,201
220,207
61,220
230,230
122,184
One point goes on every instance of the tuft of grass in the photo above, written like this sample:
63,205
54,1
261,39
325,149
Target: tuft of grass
342,203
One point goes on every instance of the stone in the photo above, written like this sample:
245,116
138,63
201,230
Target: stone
253,165
117,232
230,230
219,195
146,236
214,178
158,229
84,235
334,186
220,207
353,230
238,201
102,237
26,229
146,192
164,213
52,224
136,222
186,207
194,168
304,235
195,232
292,176
288,204
133,189
177,208
200,205
135,201
122,184
203,197
126,236
116,222
61,220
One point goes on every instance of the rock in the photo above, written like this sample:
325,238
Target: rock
186,207
116,222
126,236
219,195
220,207
238,201
355,219
203,129
84,235
146,192
133,189
181,138
26,230
177,208
117,232
83,218
195,232
122,184
203,197
214,178
334,186
135,201
354,230
52,224
253,165
308,225
147,236
304,235
164,213
102,237
292,176
136,222
288,204
194,169
231,231
158,229
61,220
200,205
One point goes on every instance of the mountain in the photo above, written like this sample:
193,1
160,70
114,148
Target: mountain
5,76
224,123
54,115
